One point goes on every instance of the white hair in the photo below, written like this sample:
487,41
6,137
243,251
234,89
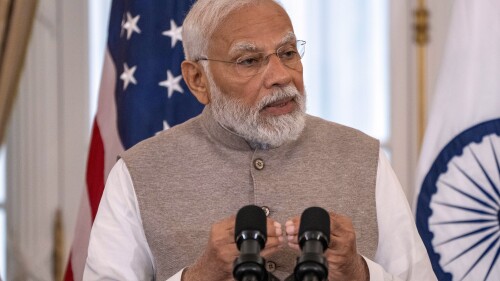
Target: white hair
203,19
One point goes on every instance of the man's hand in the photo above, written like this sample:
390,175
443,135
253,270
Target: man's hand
344,262
216,261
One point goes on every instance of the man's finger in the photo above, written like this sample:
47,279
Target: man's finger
273,228
273,245
340,225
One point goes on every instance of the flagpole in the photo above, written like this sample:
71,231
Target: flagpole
421,26
58,252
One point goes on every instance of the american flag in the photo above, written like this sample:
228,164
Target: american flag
142,93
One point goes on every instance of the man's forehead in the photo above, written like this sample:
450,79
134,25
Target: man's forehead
250,45
262,25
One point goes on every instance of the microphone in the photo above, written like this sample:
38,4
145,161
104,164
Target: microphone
250,236
314,237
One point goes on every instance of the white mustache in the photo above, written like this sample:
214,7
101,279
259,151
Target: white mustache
287,92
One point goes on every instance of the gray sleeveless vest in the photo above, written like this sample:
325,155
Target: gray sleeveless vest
197,173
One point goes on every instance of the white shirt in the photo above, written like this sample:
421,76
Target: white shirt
118,249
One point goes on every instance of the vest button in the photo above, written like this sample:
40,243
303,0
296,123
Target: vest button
270,266
266,210
258,164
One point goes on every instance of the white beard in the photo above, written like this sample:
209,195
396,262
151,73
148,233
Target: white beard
247,122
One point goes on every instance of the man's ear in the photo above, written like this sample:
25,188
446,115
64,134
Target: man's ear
196,80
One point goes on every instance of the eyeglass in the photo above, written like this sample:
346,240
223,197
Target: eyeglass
254,63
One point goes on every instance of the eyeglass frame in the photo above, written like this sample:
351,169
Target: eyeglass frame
265,58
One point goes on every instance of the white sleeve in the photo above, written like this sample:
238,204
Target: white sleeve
176,277
401,254
118,249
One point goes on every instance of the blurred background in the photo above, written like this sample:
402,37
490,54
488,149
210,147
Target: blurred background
363,68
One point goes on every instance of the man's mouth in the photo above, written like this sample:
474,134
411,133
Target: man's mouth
280,107
279,103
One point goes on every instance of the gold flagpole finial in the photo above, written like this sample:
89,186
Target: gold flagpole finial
421,26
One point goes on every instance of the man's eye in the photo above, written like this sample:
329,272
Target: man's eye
248,61
288,54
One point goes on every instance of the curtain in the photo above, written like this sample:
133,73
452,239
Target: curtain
346,63
16,18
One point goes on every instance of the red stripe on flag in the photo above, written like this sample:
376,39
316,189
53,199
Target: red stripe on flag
95,169
68,276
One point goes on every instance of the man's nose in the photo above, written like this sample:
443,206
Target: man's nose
276,73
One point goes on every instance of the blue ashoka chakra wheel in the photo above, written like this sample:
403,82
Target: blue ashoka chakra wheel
458,208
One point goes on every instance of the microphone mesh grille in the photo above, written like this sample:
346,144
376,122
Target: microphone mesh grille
315,219
250,217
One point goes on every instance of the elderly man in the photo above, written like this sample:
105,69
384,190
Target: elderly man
169,203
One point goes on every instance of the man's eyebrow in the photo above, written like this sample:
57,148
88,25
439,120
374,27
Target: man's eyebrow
251,47
288,38
243,46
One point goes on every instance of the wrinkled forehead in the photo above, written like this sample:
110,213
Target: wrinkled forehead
256,26
251,46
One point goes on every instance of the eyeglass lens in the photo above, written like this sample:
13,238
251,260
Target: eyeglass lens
289,55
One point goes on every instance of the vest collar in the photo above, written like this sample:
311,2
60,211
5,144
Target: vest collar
221,134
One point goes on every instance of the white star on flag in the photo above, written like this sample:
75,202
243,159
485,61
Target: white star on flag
131,25
165,127
172,84
128,75
122,25
175,33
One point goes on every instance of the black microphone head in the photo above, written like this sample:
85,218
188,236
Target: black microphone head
251,220
315,220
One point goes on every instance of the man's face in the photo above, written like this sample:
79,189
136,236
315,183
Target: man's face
273,100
